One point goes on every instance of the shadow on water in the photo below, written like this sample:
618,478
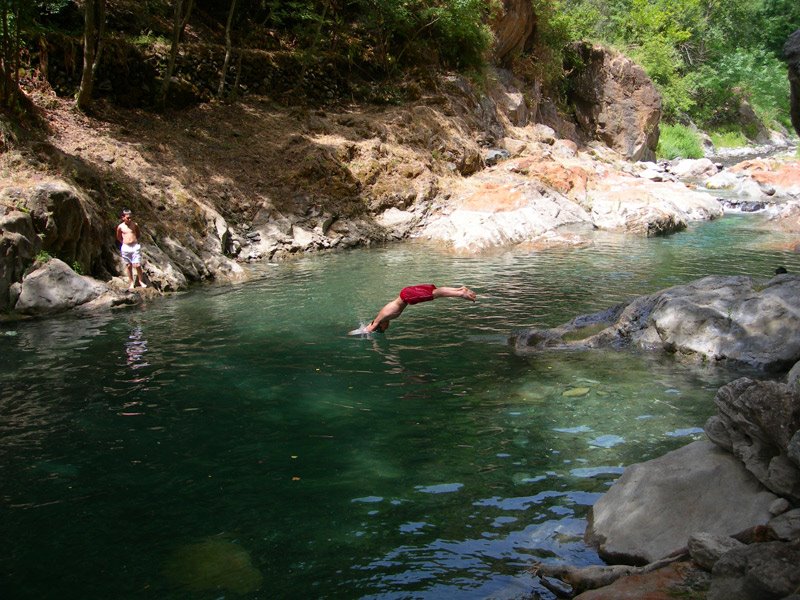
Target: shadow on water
235,441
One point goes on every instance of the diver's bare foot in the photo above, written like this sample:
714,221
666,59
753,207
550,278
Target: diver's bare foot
142,285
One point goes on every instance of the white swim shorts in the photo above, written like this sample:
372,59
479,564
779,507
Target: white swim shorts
132,254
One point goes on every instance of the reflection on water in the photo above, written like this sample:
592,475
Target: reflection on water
240,429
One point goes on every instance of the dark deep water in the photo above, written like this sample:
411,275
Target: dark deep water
233,442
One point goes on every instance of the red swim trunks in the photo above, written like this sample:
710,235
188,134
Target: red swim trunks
415,294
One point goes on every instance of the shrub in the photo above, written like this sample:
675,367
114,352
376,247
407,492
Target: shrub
751,75
678,141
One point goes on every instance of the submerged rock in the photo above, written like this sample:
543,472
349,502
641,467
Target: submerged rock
213,564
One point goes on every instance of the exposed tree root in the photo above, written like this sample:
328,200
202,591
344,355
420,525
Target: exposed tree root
590,578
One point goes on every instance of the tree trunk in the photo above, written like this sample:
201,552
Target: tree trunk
93,30
183,9
9,89
227,50
791,52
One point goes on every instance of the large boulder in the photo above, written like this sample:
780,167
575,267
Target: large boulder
55,288
791,51
717,318
619,202
614,100
756,421
492,210
69,223
654,507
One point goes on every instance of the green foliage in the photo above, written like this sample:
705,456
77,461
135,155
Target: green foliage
43,257
555,28
76,266
382,34
775,21
678,141
149,39
727,50
665,67
459,32
745,75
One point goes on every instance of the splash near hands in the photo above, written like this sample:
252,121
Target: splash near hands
360,331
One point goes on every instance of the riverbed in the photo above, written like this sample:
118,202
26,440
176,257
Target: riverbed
234,442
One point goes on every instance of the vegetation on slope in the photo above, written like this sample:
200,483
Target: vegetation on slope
706,56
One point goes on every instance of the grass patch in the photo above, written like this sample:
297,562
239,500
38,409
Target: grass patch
728,139
678,141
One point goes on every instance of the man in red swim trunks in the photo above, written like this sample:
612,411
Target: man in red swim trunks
414,295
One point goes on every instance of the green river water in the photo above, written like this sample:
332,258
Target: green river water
234,442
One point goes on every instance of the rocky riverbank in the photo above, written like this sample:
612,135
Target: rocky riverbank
472,167
717,519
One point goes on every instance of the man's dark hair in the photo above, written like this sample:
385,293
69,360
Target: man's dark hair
126,211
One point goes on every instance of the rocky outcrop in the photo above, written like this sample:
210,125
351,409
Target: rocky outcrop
707,506
757,422
757,572
791,51
714,318
527,199
68,222
772,178
512,27
56,217
614,100
619,202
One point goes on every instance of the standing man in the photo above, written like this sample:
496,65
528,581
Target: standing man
128,237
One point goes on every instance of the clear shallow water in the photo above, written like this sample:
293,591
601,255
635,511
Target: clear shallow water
239,429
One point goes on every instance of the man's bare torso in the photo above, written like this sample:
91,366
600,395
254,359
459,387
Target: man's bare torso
128,234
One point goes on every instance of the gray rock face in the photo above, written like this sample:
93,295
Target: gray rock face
654,507
706,548
615,101
512,28
68,223
55,288
756,421
18,247
757,572
715,318
786,527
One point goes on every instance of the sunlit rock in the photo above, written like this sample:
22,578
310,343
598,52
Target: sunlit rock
624,203
614,100
655,506
715,318
54,288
